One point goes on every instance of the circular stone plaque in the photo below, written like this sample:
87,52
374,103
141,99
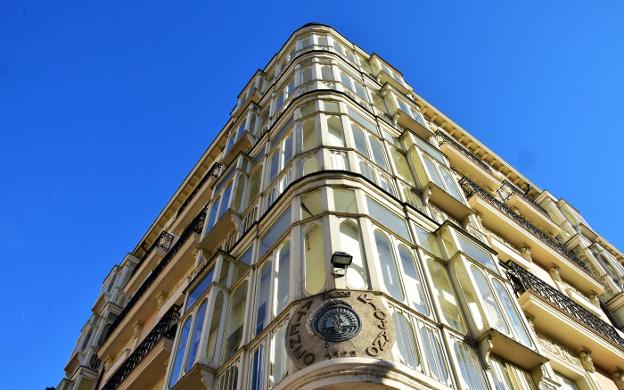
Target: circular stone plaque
339,324
336,321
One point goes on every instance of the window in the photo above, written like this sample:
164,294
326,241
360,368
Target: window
369,146
228,380
507,302
213,328
219,206
309,137
471,372
279,227
419,346
199,289
344,201
236,320
406,341
488,300
509,377
257,369
311,204
566,383
441,176
445,296
334,131
262,297
387,218
351,242
254,185
411,111
179,354
282,278
387,263
314,258
278,359
476,252
196,335
413,282
402,167
427,240
350,83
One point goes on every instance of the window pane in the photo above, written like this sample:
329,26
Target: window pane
281,224
335,132
433,172
274,165
278,359
310,165
235,321
310,139
262,296
254,185
197,333
311,204
389,219
308,108
367,171
470,369
413,282
403,169
489,301
406,341
331,106
326,73
360,140
434,354
314,259
282,278
443,290
427,240
378,153
510,309
350,242
389,270
339,161
344,201
502,381
476,252
225,200
451,185
199,289
213,213
257,369
177,363
213,329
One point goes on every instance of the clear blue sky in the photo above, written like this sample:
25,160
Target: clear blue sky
105,106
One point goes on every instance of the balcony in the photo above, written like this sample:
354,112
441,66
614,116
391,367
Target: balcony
564,320
465,162
386,75
152,355
223,227
521,233
517,199
193,228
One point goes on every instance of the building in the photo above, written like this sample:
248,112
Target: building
340,232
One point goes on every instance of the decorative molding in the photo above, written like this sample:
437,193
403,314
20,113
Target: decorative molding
587,361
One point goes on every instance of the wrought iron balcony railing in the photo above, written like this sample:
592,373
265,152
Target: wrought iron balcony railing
523,280
194,227
470,188
506,189
442,137
165,328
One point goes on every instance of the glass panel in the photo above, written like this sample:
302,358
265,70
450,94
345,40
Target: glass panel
566,383
360,140
257,369
281,224
311,204
489,301
350,242
451,185
510,309
196,336
335,132
339,161
327,73
502,381
254,185
177,362
389,271
344,201
378,153
310,165
476,252
406,341
213,213
387,218
367,171
238,193
262,296
235,322
213,330
199,289
470,369
282,278
314,259
308,108
274,165
413,282
427,240
331,106
361,120
443,291
225,200
433,172
278,360
434,354
403,169
310,139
